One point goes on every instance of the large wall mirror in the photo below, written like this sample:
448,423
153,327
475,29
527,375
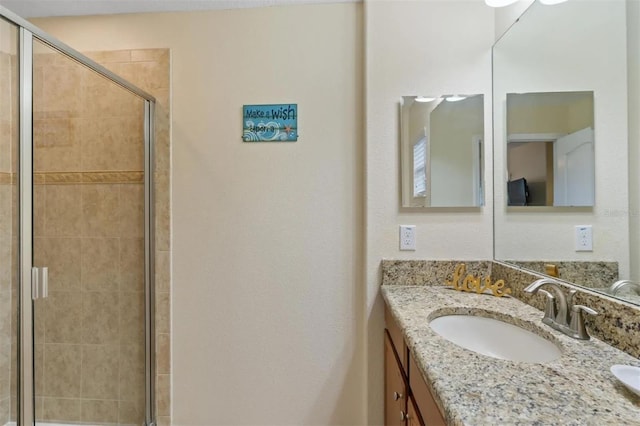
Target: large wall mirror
442,151
565,71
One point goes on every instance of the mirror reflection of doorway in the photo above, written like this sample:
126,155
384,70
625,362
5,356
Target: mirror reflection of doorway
533,161
559,169
551,146
574,169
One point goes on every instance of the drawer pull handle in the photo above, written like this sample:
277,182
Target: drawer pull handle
396,396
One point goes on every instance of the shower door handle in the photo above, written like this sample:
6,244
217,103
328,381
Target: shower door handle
45,282
35,284
39,283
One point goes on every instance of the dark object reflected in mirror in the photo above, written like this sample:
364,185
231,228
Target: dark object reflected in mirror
550,144
518,192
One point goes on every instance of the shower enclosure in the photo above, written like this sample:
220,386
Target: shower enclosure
76,237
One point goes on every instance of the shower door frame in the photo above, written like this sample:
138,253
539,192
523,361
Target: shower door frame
25,386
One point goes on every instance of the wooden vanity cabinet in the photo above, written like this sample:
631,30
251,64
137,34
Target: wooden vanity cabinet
407,401
395,389
413,414
426,405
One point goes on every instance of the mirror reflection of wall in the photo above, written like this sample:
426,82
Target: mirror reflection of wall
442,151
550,149
578,48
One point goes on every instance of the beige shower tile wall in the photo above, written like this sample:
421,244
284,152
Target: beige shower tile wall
149,69
5,299
90,330
8,211
83,122
89,203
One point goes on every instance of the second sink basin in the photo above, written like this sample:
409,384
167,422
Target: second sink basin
495,338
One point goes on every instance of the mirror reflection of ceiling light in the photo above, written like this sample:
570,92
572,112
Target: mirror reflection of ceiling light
455,98
550,2
499,3
425,99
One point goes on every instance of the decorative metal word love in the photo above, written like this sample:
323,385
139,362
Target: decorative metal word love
473,284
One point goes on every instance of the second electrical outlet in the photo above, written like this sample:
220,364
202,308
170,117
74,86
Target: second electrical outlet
407,237
584,238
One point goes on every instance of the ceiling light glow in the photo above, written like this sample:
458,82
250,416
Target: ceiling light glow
455,98
499,3
425,99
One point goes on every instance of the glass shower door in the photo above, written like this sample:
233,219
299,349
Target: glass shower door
89,228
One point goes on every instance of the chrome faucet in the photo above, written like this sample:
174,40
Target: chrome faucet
560,313
619,285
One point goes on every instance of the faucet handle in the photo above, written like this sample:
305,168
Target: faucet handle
578,308
577,321
550,310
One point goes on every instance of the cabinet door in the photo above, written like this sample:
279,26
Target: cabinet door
423,398
396,339
394,388
413,418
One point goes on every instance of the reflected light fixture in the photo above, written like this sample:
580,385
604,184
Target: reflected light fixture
499,3
425,99
550,2
455,98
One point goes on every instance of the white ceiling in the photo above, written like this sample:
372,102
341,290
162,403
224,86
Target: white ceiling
44,8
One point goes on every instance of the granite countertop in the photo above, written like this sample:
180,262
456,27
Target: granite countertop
473,389
626,296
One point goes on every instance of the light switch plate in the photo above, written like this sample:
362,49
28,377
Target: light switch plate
407,237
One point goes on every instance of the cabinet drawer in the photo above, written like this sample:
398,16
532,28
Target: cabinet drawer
421,393
396,339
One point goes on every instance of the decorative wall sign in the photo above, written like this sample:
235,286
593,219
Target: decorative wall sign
270,123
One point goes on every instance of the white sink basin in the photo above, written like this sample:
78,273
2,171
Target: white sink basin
629,376
495,338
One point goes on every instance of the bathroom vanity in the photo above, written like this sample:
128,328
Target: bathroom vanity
407,395
467,388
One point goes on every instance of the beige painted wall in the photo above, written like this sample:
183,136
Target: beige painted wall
561,118
528,160
406,54
538,119
266,302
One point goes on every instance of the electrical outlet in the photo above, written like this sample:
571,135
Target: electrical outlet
584,238
407,237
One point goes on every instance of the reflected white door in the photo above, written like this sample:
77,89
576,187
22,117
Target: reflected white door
574,169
